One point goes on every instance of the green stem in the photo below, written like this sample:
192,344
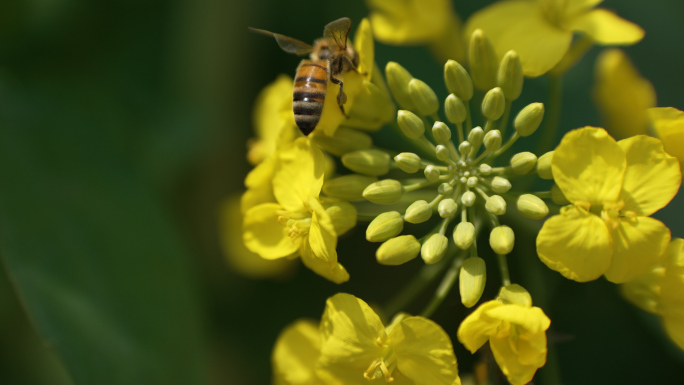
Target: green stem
418,283
443,289
503,267
506,116
553,115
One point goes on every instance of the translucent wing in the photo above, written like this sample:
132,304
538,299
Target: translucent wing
338,31
286,43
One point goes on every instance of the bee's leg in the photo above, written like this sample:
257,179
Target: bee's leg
352,66
341,96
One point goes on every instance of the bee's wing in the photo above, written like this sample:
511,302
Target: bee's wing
286,43
338,31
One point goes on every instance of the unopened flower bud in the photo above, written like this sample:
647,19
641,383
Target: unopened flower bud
496,205
464,235
447,207
472,279
558,197
532,207
528,119
418,212
500,185
468,198
445,189
492,140
544,166
384,226
523,162
475,136
432,173
397,251
502,239
434,248
510,77
410,124
398,79
348,187
472,181
408,162
493,104
515,294
384,192
484,64
342,214
442,152
423,97
455,109
485,169
457,80
343,141
367,162
441,132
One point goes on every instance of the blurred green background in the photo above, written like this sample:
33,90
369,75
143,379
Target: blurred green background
123,126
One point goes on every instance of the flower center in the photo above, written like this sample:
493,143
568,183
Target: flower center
297,223
382,367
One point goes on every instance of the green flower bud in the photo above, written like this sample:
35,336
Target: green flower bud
485,169
431,173
447,207
345,140
475,136
500,185
455,109
493,104
342,214
515,294
483,61
384,192
441,132
464,148
492,140
472,181
472,279
528,119
558,197
410,124
457,80
442,152
408,162
502,239
523,162
445,189
464,235
423,97
434,248
367,162
397,251
468,198
510,77
384,226
496,205
398,79
544,166
418,212
532,207
348,187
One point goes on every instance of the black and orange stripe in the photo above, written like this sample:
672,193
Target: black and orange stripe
310,86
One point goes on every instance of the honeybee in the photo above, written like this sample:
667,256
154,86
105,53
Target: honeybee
329,56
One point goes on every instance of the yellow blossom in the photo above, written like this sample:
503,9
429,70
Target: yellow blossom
613,188
295,354
516,332
297,222
541,31
356,347
661,291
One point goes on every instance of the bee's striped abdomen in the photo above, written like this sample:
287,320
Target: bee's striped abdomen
308,97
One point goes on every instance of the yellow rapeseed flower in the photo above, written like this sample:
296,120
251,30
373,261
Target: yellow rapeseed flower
613,188
296,222
541,31
516,332
356,347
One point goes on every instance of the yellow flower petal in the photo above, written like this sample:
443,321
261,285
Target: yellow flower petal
588,166
572,7
622,95
259,185
576,244
322,236
607,28
264,235
672,293
300,175
365,48
409,22
343,373
652,177
475,329
332,116
424,352
637,247
350,330
331,271
295,353
668,124
519,25
372,109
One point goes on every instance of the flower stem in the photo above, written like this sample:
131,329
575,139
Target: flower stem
418,283
444,287
553,117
